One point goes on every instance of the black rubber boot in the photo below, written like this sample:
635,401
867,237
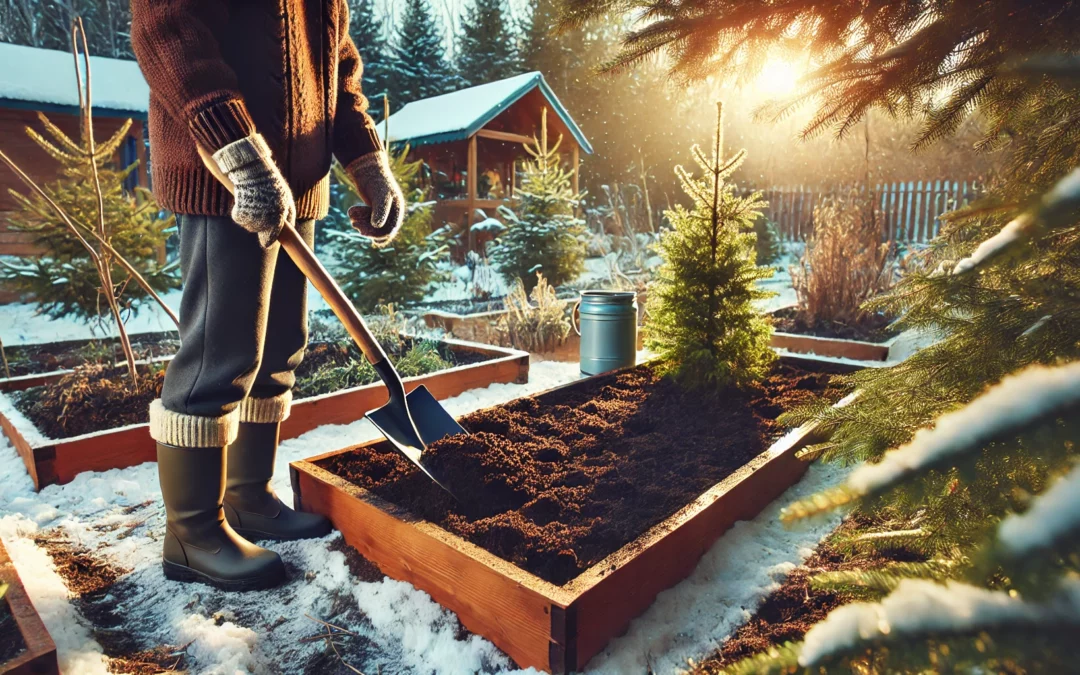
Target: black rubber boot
251,506
199,543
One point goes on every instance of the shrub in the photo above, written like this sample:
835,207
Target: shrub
66,281
845,262
537,326
702,321
542,231
401,271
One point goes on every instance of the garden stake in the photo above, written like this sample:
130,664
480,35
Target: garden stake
409,421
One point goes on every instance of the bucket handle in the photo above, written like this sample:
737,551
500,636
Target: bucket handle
575,318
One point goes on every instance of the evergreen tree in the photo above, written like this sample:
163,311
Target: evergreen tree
702,322
542,232
486,46
401,271
66,281
366,30
419,64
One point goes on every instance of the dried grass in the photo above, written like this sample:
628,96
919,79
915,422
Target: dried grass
537,326
846,262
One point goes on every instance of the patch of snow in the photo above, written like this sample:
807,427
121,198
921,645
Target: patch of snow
746,564
29,432
1017,400
77,650
1052,515
919,607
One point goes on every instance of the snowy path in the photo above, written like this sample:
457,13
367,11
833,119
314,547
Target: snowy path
117,515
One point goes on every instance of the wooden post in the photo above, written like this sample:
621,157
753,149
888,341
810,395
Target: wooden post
470,189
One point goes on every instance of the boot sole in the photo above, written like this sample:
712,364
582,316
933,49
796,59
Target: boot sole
181,573
255,535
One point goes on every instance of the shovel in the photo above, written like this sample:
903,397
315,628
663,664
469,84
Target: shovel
409,421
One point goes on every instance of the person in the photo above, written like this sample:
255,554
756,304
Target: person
271,90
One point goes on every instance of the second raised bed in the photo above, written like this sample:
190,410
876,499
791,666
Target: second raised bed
52,461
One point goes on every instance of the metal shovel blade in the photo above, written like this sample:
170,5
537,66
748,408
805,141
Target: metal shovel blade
422,415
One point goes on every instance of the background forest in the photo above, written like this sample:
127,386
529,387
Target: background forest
641,121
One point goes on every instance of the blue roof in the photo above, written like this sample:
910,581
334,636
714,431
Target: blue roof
460,114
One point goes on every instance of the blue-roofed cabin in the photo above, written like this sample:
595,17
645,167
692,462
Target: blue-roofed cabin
471,143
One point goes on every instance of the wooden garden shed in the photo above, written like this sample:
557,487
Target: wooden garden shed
36,80
471,142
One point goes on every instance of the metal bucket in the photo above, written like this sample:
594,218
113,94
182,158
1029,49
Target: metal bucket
608,330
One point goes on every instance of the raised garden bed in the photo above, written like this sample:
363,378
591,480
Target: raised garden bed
39,364
861,343
578,505
51,460
25,646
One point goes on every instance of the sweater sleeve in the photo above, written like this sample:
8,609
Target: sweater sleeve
354,130
176,44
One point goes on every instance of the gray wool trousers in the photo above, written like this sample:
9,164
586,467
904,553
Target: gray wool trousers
243,324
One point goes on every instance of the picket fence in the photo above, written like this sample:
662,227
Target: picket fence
912,209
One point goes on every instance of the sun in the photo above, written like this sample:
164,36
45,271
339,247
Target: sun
778,77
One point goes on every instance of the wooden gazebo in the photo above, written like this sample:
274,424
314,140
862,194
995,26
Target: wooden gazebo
471,142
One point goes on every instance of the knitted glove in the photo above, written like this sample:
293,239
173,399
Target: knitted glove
263,202
381,217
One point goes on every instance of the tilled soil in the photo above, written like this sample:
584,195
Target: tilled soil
558,482
873,328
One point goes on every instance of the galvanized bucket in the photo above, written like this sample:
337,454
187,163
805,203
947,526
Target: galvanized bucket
608,330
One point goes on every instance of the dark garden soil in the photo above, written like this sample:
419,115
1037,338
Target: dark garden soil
52,356
790,611
99,595
557,482
11,640
873,328
97,397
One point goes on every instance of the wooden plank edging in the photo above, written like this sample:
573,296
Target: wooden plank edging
39,657
581,616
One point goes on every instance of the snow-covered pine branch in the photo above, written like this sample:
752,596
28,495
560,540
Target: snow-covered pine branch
1054,210
1019,401
1053,515
924,608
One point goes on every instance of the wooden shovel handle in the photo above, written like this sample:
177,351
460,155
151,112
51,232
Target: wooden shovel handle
305,259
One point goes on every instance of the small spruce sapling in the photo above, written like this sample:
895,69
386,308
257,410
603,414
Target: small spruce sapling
702,321
401,271
542,232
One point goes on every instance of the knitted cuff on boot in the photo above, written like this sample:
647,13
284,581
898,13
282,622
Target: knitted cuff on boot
192,431
264,410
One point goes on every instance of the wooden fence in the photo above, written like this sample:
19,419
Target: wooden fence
911,209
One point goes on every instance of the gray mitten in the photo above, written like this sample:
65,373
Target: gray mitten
263,202
381,217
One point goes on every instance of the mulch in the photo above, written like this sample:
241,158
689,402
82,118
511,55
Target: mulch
556,483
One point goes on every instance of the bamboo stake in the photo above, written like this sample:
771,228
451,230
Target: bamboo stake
78,34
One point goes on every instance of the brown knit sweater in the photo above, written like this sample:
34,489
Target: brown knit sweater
220,70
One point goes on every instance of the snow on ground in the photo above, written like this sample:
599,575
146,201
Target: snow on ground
692,619
399,629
